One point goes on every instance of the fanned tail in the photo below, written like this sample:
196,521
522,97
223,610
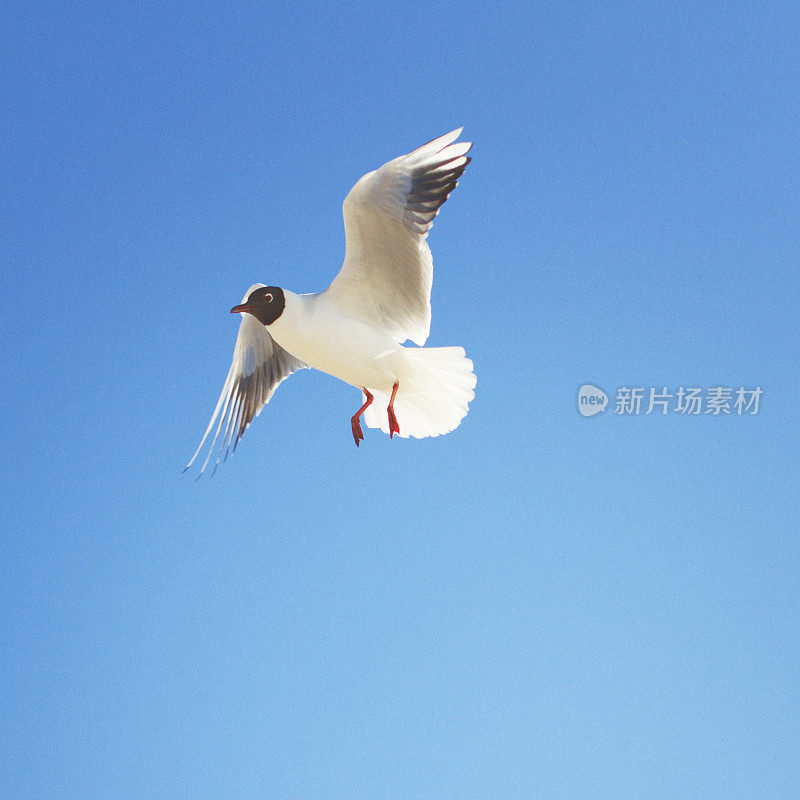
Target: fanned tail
433,397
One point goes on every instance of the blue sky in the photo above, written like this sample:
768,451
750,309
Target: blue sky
537,605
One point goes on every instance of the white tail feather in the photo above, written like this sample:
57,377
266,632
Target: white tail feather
433,397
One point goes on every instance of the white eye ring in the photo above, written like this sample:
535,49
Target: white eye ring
268,297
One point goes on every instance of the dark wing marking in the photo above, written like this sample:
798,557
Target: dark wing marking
259,365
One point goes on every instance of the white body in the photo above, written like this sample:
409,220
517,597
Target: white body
435,384
313,330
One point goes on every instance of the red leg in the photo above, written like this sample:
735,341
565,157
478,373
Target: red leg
393,426
355,424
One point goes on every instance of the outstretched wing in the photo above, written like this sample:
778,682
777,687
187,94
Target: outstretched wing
259,365
388,270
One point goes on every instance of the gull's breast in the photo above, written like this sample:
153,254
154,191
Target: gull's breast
351,350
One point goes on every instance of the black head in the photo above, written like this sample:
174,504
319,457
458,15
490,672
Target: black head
265,304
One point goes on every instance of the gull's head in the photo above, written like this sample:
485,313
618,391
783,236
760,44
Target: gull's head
265,303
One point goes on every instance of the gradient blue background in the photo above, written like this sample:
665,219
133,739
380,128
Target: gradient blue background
538,605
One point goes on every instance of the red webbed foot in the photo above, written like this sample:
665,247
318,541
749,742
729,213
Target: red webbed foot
355,424
393,426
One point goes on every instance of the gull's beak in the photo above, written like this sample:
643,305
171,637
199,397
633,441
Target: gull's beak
240,309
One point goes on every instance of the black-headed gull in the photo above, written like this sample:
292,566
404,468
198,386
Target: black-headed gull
354,330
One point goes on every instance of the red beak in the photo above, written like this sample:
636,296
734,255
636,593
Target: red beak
240,309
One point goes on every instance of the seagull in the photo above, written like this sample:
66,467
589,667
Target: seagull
355,330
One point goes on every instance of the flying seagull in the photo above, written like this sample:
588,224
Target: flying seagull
355,329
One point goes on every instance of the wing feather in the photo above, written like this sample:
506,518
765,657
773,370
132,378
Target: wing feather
259,364
387,273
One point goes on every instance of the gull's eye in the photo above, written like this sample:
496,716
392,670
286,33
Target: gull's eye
268,297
